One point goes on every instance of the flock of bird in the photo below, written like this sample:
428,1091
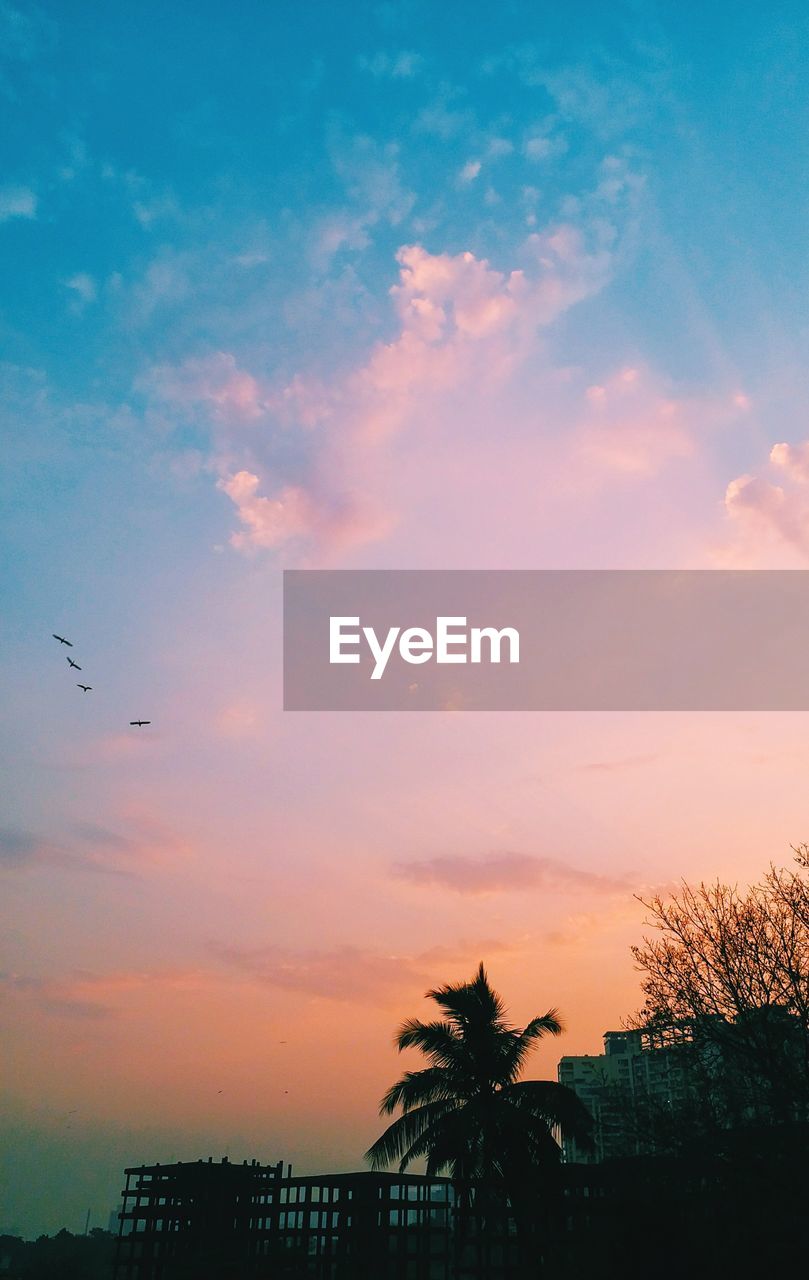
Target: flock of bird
88,688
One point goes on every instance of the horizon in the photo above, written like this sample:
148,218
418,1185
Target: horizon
386,287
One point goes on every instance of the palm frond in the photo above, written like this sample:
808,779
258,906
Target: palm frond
438,1040
473,1001
555,1105
525,1144
546,1024
398,1139
451,1143
417,1088
517,1047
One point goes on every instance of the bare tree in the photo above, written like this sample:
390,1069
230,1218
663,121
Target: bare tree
726,975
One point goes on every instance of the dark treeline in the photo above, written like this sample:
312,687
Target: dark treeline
60,1257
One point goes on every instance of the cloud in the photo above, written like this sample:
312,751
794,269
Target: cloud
215,382
391,66
628,426
26,33
84,289
343,973
17,847
541,146
87,995
88,846
617,766
793,459
166,284
771,518
371,178
470,171
294,515
314,469
51,997
441,118
498,147
148,212
603,98
242,718
270,522
17,202
463,323
350,973
505,873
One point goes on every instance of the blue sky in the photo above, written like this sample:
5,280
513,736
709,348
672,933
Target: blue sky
363,285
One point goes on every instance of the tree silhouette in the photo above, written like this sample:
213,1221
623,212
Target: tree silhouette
469,1113
727,972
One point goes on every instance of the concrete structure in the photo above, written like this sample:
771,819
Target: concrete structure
184,1217
227,1220
630,1089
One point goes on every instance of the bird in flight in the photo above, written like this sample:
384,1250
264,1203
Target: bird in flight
61,640
74,664
87,688
140,722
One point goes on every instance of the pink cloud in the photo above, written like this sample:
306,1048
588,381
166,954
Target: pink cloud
465,325
295,515
633,423
792,459
629,426
138,842
82,994
269,522
240,719
410,419
505,873
353,974
216,382
772,519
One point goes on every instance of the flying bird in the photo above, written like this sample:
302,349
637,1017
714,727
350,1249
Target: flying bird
74,664
140,722
87,688
61,640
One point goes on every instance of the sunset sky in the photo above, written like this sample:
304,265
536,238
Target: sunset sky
351,285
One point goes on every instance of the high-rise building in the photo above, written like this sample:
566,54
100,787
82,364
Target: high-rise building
631,1090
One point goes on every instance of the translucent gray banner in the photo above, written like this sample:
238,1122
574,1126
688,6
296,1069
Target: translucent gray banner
546,640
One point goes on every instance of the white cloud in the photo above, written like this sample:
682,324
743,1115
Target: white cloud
392,66
83,286
541,147
17,202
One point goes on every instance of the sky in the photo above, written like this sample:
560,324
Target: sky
362,286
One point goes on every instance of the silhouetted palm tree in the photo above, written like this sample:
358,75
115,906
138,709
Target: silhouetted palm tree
468,1112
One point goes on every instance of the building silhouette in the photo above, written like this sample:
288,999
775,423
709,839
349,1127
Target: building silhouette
698,1213
634,1090
191,1221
